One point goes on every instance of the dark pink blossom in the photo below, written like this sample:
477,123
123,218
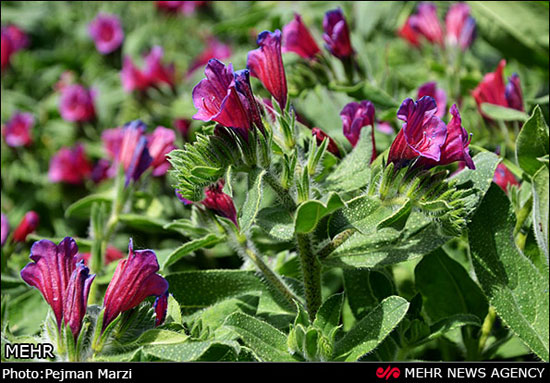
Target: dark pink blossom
132,77
320,136
76,104
337,36
13,40
409,33
156,71
69,165
219,202
184,7
214,49
460,26
75,300
160,143
17,131
4,229
504,177
135,279
513,93
161,308
354,117
297,38
426,22
134,154
106,32
266,64
7,50
28,224
439,95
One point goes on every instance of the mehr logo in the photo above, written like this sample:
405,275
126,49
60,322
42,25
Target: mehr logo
389,372
29,351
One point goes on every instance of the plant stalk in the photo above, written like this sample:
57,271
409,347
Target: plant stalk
486,328
283,193
311,274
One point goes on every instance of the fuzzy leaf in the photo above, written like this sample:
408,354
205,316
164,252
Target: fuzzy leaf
540,209
532,142
310,213
188,247
254,195
502,113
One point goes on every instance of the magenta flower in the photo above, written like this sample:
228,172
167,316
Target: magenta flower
298,39
106,32
135,279
320,136
100,171
132,77
161,142
69,165
17,131
161,308
336,36
4,229
76,104
266,64
226,97
455,147
62,280
422,134
460,26
430,89
76,297
155,71
504,177
28,224
214,49
219,202
492,90
426,22
133,154
7,50
13,40
184,7
409,33
354,117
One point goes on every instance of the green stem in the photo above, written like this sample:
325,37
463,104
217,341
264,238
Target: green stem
335,243
311,274
283,193
486,328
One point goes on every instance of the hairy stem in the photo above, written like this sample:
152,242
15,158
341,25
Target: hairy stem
283,194
486,328
335,243
311,274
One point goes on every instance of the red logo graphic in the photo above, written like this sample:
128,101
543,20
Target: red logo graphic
389,372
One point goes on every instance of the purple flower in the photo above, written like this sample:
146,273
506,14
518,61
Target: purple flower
106,32
161,307
28,224
426,22
219,202
513,94
58,277
76,297
4,229
17,131
460,26
161,142
430,89
76,104
133,154
155,71
298,39
266,64
422,134
100,171
354,117
455,147
336,36
182,199
219,97
320,136
69,165
135,279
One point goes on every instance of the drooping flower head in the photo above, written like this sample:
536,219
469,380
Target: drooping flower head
4,229
225,96
76,104
354,117
161,308
135,279
62,280
439,95
422,134
297,38
460,26
214,49
70,165
504,177
219,202
337,36
28,224
107,33
160,143
266,64
426,22
492,90
320,136
17,131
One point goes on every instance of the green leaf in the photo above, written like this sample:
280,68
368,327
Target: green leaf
501,113
372,329
83,207
184,352
514,286
277,222
354,171
328,316
159,337
445,325
254,195
365,289
447,289
540,209
532,142
268,343
188,247
143,223
310,213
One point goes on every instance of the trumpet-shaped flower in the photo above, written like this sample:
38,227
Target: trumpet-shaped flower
106,32
76,297
354,117
460,26
28,224
426,22
219,202
69,165
297,38
337,36
76,103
